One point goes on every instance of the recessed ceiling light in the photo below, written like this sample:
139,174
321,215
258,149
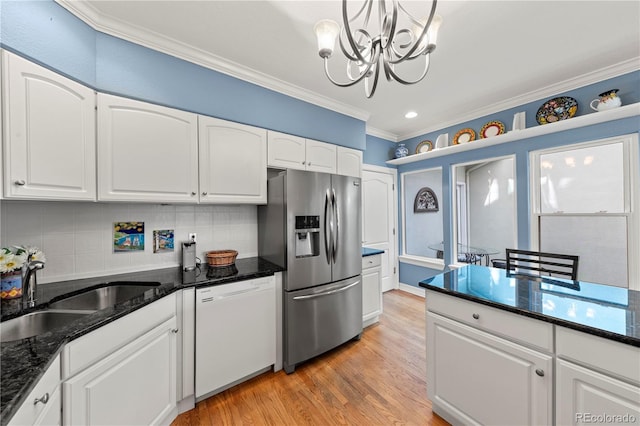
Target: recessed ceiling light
411,114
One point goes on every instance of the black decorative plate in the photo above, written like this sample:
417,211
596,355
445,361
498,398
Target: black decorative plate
557,109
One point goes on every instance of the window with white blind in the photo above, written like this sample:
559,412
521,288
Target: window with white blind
584,201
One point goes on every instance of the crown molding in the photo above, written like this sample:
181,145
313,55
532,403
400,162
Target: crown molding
158,42
383,134
611,71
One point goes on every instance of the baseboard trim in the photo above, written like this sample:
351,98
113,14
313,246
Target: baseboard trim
418,291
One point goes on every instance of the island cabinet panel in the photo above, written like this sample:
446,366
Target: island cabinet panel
371,289
474,377
49,133
233,162
146,152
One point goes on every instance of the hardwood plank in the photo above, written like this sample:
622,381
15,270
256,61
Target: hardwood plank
379,380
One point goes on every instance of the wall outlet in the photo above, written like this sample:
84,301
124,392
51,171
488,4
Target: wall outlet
192,237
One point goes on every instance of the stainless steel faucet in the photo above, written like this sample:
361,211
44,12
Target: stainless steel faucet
30,284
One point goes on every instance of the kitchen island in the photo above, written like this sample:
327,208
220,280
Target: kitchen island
509,350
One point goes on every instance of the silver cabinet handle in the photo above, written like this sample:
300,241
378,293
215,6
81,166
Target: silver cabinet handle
204,193
20,182
309,163
476,316
304,162
44,399
326,293
540,372
193,194
174,330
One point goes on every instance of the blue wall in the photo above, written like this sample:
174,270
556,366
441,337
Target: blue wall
379,151
46,33
410,274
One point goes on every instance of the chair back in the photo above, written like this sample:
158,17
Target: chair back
536,263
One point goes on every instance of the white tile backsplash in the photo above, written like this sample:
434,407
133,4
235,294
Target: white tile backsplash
77,238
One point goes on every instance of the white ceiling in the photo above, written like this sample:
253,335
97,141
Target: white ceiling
491,55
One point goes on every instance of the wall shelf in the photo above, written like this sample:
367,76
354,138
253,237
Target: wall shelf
514,135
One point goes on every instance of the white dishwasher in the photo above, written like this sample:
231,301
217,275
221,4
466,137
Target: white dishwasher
235,333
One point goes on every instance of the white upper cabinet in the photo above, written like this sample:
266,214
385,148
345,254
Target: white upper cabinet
49,133
293,152
349,161
146,152
321,157
233,162
286,151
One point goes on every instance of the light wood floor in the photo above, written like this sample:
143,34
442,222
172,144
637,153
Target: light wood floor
379,380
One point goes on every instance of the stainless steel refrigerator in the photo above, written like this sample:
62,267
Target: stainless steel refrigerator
311,227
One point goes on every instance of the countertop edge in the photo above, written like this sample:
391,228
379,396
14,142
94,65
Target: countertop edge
524,312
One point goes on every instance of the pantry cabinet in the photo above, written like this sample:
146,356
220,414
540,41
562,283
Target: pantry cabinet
146,152
49,133
232,162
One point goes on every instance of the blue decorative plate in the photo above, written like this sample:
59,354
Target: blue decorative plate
557,109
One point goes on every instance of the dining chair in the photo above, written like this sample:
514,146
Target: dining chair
536,263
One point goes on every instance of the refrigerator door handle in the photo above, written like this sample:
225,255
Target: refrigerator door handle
327,233
326,293
336,215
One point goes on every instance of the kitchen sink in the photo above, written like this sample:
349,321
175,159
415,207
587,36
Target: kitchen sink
103,297
36,323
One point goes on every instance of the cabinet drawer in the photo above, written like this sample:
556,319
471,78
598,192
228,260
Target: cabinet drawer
516,327
600,353
86,350
370,261
29,412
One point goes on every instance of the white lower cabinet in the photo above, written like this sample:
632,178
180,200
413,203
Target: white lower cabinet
597,380
474,377
43,405
124,373
371,289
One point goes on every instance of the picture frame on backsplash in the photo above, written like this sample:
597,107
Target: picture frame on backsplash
128,236
162,240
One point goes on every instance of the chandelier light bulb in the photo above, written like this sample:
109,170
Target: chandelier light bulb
326,32
432,33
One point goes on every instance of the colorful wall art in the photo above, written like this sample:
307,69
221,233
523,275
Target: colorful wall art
128,236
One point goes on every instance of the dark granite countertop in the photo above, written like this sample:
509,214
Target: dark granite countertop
601,310
366,251
25,361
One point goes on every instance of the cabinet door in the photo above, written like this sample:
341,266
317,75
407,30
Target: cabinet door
349,162
371,293
49,139
146,152
583,395
476,378
134,385
321,156
233,162
286,151
47,410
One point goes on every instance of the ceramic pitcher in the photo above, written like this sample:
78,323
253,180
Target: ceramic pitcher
607,100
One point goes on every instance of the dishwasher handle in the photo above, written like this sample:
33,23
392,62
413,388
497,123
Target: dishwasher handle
326,293
230,294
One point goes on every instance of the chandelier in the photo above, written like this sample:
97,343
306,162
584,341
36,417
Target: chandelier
402,37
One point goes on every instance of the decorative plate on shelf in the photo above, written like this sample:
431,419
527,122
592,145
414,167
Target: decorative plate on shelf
492,128
464,136
557,109
424,146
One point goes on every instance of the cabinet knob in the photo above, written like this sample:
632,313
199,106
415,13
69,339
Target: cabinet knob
44,399
20,182
303,163
309,163
540,372
204,193
174,330
193,194
476,316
